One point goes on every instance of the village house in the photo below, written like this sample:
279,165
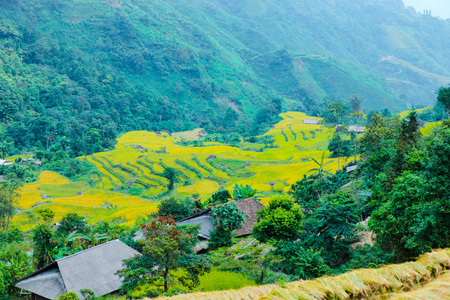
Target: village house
5,162
356,128
248,206
311,121
94,269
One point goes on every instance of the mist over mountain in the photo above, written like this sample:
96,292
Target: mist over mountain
68,67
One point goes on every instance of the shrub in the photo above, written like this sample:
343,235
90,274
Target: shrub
174,208
281,220
68,296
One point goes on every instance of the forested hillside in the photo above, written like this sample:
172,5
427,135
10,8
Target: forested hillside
74,74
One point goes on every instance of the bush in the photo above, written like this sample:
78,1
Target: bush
68,296
10,236
304,263
279,187
367,256
71,222
281,220
173,208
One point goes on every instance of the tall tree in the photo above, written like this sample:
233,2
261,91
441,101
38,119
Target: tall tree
5,147
333,227
43,245
167,258
171,175
444,98
8,200
227,218
336,113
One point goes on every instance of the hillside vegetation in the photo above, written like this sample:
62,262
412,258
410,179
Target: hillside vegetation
75,74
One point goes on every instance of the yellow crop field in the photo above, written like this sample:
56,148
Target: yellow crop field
203,186
63,196
48,177
429,127
405,113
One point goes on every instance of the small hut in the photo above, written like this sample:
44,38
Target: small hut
311,121
356,128
5,162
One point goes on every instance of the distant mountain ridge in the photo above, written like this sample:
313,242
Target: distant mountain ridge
132,64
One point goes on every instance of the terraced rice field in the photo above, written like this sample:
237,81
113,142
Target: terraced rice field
62,196
140,158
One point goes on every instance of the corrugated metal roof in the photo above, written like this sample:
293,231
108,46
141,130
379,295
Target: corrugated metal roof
206,223
351,168
311,121
47,283
92,269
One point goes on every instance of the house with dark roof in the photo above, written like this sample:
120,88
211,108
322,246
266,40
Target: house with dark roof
94,269
248,206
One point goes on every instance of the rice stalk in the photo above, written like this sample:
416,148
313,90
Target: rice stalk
437,289
358,284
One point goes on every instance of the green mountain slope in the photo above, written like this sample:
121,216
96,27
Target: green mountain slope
69,67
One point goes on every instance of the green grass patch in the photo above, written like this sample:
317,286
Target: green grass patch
219,281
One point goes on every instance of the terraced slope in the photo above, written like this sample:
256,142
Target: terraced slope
140,158
382,283
62,196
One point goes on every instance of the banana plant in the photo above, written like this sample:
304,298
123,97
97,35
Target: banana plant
243,192
94,239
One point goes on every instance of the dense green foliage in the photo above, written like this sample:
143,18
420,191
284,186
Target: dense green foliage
173,208
281,220
74,74
220,197
227,218
8,202
70,223
415,219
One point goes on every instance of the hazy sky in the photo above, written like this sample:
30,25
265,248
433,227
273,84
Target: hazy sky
439,8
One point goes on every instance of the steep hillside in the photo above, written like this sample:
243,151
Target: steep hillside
69,66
